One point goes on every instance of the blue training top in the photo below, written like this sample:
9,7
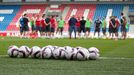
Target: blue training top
72,22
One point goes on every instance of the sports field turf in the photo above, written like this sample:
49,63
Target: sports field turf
117,58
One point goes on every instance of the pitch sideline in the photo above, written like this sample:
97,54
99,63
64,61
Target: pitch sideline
99,57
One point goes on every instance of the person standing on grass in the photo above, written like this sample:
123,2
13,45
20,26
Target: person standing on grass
43,25
26,27
123,27
117,25
97,25
21,25
78,26
52,25
61,23
123,22
32,23
38,24
47,23
104,25
88,26
114,27
72,26
82,25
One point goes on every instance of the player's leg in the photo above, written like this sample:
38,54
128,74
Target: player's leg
88,32
70,32
104,32
95,31
78,30
98,32
61,31
75,30
52,32
84,31
49,31
24,33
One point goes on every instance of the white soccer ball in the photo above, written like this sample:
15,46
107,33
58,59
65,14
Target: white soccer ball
24,51
94,53
70,53
82,54
35,52
46,52
62,52
13,51
59,53
52,47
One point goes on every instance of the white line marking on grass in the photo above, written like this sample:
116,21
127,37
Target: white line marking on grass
3,55
99,57
115,58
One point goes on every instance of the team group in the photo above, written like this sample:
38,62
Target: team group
48,25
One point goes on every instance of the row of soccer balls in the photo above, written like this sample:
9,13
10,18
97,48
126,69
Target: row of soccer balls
67,52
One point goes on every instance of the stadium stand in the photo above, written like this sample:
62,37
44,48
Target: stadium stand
8,14
12,0
80,10
32,9
131,8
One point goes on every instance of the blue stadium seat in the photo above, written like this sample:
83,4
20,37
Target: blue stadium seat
8,17
101,11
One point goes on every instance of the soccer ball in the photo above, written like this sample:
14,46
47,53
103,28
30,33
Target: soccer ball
35,52
52,47
82,54
70,52
78,47
59,53
46,52
24,51
94,53
13,51
62,52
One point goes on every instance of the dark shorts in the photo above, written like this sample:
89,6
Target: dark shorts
114,30
88,29
52,29
43,29
82,29
78,29
110,30
38,28
123,29
21,30
25,28
104,30
33,27
60,28
48,28
97,29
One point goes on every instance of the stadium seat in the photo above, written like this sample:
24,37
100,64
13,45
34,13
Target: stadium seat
30,9
8,12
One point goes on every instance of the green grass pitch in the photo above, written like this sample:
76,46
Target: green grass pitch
117,58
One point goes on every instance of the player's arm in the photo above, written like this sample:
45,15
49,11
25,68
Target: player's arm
69,22
19,24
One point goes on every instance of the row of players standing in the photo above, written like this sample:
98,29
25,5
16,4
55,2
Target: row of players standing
44,25
47,25
85,26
